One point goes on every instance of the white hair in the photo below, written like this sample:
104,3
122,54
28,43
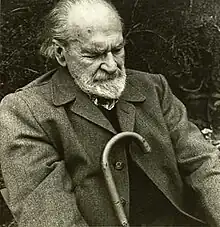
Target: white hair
56,24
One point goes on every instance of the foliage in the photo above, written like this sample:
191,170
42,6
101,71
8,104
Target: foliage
179,39
20,26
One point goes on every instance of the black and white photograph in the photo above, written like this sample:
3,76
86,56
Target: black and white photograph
109,113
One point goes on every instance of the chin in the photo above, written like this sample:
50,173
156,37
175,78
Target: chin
111,89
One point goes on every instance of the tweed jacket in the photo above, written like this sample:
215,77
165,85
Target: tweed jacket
52,137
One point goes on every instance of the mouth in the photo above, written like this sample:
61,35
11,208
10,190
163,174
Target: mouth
104,77
103,80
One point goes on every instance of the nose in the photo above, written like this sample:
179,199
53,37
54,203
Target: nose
109,64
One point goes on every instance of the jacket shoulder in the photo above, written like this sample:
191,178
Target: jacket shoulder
32,98
146,82
42,80
135,76
37,91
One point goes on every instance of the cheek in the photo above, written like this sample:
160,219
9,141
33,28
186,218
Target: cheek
120,59
89,64
86,68
77,65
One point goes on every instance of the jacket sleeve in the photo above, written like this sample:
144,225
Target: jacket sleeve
198,160
39,187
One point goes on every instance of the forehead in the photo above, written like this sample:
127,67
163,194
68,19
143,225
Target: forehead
93,19
102,42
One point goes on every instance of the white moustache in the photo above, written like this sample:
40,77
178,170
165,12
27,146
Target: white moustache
102,76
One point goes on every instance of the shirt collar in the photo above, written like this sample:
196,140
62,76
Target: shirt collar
108,104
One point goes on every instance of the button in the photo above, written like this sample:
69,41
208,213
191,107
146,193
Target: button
119,165
123,201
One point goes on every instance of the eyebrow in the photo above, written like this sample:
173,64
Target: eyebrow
96,50
121,44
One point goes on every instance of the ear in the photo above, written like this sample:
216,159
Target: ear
59,52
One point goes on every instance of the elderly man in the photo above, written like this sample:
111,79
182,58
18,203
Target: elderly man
54,130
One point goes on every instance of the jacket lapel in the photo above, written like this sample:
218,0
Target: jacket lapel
126,106
126,115
84,107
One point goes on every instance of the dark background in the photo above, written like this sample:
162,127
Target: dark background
178,38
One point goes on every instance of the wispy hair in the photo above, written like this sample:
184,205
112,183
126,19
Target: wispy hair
56,25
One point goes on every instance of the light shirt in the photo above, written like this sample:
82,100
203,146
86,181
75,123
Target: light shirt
108,104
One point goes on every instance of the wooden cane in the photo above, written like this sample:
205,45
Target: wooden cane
118,207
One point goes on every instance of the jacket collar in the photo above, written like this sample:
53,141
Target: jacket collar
64,90
63,87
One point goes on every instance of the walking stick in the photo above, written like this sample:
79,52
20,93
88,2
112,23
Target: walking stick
108,175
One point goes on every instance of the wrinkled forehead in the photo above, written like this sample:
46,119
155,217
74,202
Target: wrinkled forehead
101,43
86,20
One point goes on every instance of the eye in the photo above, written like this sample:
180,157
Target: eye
91,56
117,50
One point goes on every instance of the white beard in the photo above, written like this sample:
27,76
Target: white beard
103,84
